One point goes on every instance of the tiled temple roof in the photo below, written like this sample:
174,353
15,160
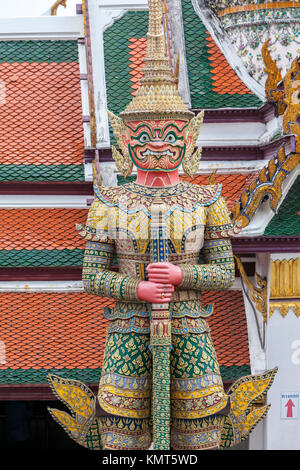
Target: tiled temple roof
41,237
48,237
233,184
287,221
41,136
65,333
213,83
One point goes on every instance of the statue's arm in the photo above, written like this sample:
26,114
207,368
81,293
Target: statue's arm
218,270
99,278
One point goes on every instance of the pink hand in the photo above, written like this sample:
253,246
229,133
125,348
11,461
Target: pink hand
165,273
153,292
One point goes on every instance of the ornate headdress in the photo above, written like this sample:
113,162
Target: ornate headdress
157,96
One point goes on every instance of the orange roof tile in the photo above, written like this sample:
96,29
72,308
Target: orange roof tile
57,330
229,327
41,229
137,54
225,80
41,116
67,330
233,184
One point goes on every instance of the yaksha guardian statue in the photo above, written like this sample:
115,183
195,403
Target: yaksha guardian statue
160,381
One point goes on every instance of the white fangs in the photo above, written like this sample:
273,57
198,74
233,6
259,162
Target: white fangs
157,154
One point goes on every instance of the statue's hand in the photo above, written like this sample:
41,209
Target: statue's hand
165,273
157,293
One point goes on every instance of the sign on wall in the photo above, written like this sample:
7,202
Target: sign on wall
289,405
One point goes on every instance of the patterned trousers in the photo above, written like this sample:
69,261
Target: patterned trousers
197,393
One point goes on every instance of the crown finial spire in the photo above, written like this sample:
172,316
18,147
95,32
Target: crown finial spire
157,97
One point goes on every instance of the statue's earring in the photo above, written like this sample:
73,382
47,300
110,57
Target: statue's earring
123,161
190,165
191,160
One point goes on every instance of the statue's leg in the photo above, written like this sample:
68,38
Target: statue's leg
125,392
198,399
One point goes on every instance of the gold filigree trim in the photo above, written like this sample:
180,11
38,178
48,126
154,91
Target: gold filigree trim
274,77
256,6
285,279
55,6
284,308
258,294
268,183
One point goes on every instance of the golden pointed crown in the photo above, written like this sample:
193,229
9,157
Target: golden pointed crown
157,97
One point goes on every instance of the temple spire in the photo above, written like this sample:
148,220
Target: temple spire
157,96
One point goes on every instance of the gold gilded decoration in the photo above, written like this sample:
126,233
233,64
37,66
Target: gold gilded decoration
191,160
158,96
258,293
285,279
56,5
285,287
81,402
291,123
285,95
273,93
123,161
284,308
245,412
268,183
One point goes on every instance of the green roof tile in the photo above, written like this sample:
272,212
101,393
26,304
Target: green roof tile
41,172
38,51
34,376
199,67
35,258
287,221
116,54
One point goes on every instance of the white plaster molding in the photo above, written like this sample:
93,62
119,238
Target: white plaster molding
230,134
108,169
273,128
41,286
264,213
41,28
59,286
30,201
256,352
84,94
224,44
282,256
178,39
102,14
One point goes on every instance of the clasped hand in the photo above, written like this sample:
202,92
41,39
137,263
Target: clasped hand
160,286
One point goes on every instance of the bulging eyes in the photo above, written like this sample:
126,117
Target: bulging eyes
170,138
144,138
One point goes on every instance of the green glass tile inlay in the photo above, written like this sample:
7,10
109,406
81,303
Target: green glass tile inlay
199,67
38,51
41,172
35,376
35,258
287,221
122,180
